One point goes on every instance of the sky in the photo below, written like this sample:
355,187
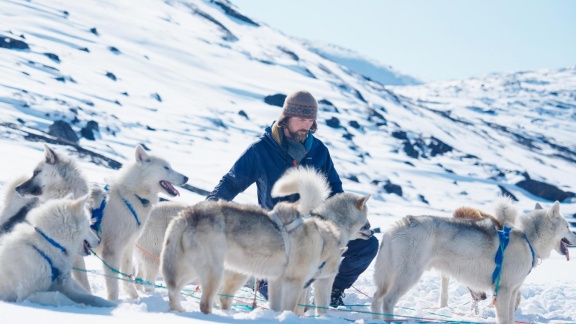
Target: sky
205,82
434,40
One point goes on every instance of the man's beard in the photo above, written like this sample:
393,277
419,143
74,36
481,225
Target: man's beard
299,136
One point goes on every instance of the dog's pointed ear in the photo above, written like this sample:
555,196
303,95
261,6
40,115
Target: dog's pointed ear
555,210
80,203
141,154
538,206
361,202
49,155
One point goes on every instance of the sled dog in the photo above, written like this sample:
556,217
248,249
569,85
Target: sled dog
290,252
506,216
55,176
466,251
37,254
149,243
131,195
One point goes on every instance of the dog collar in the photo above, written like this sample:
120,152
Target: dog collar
127,203
51,241
145,202
531,250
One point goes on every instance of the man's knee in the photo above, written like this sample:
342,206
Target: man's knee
362,249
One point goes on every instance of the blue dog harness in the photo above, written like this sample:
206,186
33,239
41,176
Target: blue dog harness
504,236
97,214
51,241
55,271
127,203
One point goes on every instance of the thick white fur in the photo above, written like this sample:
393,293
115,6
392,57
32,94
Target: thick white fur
26,272
221,244
465,250
55,176
120,229
306,181
505,215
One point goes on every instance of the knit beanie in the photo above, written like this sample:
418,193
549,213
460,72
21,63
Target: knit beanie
299,104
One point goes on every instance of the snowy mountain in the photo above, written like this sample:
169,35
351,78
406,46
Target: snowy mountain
369,68
203,70
197,81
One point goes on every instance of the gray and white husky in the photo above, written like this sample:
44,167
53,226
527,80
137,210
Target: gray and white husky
130,198
149,243
37,255
55,176
245,240
465,250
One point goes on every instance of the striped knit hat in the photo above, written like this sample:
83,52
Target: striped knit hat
299,104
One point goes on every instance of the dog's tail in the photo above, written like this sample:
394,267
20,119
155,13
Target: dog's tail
97,195
309,183
505,212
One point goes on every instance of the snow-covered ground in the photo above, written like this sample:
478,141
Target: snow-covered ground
189,80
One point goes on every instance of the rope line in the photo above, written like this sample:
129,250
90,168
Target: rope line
250,303
148,253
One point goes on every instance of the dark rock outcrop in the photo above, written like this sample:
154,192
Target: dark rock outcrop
63,130
393,188
233,13
53,57
400,135
545,190
111,76
354,124
275,100
333,122
409,149
437,147
88,131
12,43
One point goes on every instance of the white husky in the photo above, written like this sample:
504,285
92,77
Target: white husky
131,195
505,216
278,245
55,176
465,250
36,256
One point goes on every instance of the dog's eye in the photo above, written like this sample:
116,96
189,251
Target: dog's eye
166,168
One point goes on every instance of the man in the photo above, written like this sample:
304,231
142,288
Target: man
287,143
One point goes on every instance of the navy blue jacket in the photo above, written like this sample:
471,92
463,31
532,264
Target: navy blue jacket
264,162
